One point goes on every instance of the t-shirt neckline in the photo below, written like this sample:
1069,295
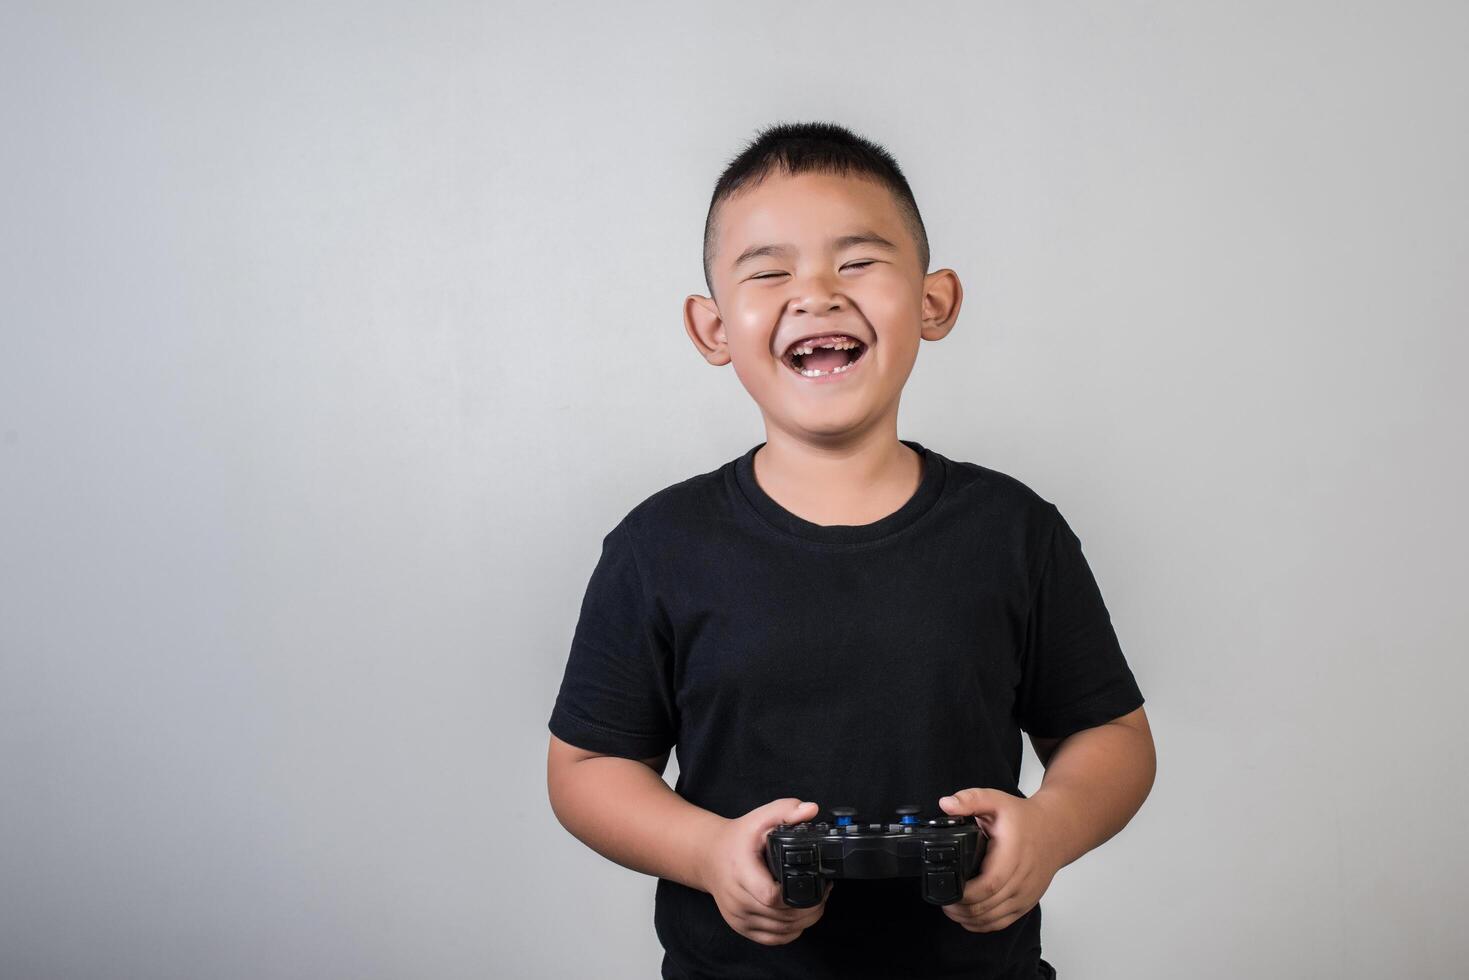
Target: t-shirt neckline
929,489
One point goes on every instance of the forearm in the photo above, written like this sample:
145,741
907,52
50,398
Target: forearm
1095,781
624,811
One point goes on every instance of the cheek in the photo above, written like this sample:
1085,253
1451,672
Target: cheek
750,321
887,301
748,377
749,351
749,331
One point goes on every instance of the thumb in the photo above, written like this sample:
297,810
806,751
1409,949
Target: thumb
972,802
788,810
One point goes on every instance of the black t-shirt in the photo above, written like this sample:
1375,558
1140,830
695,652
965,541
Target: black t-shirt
868,665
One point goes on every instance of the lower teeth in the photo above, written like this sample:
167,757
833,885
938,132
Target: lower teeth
813,373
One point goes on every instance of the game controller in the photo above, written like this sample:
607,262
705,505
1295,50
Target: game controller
943,852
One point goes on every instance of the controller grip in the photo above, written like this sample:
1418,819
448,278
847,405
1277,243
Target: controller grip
801,884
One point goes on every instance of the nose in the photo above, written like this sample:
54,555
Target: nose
816,296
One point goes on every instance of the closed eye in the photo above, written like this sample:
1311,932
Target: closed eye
849,265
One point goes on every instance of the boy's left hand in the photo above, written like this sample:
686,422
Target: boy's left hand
1018,865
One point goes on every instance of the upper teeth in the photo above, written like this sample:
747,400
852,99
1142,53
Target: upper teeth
834,345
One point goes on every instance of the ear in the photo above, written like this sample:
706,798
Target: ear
706,329
942,297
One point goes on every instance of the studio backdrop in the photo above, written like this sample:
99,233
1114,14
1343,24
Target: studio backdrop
335,336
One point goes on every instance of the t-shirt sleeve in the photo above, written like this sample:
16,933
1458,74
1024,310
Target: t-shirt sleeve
1073,674
616,694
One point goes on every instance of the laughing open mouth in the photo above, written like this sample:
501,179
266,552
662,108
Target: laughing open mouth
815,357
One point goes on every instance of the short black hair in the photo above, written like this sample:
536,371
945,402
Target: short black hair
813,147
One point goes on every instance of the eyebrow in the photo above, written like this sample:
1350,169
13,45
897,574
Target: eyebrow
863,237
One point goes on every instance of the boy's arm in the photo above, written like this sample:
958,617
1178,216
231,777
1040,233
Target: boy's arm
623,810
1095,780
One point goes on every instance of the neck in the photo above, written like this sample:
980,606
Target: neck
857,480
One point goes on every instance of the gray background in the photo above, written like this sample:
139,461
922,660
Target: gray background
335,336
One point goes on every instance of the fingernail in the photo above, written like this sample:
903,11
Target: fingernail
948,799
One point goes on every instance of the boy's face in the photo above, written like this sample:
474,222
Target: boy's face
790,263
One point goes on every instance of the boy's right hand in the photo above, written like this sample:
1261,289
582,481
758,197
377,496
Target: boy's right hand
736,875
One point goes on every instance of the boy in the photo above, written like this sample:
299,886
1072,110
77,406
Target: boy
839,617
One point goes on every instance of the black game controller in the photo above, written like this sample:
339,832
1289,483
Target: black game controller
943,852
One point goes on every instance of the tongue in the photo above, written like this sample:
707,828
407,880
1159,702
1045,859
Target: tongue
824,359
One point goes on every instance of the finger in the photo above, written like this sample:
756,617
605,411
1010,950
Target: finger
765,892
967,911
787,919
796,912
1012,890
960,912
807,916
1006,897
970,801
826,887
976,923
787,810
982,891
758,919
791,921
761,892
761,917
791,913
1000,917
780,901
999,867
